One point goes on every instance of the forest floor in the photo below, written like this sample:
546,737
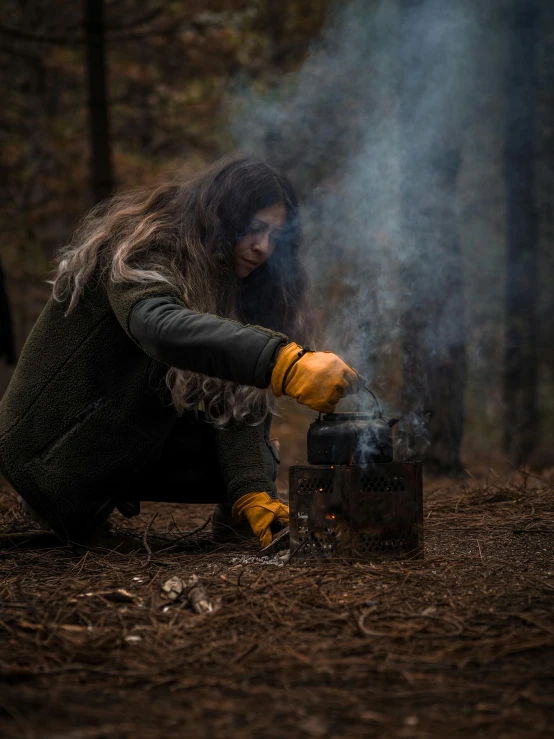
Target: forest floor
459,644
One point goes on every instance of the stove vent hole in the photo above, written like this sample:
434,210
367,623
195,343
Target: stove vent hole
318,544
318,485
367,543
382,484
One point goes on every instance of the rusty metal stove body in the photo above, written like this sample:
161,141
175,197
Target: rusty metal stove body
357,511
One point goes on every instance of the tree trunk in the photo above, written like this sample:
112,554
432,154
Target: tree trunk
432,318
7,339
521,419
432,324
100,143
544,189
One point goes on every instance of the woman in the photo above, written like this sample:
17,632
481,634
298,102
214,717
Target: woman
177,315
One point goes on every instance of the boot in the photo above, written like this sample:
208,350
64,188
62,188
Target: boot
34,515
224,528
104,537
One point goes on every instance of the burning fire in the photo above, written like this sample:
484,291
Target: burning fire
330,516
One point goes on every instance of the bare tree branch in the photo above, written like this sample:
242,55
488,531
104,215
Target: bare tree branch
18,54
148,18
151,32
19,35
117,34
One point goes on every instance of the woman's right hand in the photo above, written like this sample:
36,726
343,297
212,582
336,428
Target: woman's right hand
316,379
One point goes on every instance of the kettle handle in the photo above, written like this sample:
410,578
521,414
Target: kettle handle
377,403
391,421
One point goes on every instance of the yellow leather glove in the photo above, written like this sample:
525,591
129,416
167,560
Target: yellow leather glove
318,379
261,510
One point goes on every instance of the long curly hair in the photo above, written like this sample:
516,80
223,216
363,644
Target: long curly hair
183,233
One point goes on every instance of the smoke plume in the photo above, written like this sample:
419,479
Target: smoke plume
373,131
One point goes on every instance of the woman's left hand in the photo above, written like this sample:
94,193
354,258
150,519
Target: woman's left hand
316,379
261,510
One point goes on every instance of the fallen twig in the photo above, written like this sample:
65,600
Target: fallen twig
145,539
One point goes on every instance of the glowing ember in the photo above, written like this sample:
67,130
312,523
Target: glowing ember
330,516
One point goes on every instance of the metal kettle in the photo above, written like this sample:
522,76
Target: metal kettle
350,438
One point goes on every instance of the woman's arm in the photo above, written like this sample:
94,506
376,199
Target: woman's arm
203,343
246,459
155,318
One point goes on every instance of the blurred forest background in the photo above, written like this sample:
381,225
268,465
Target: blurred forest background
419,134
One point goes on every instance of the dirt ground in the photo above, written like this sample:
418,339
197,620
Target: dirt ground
460,644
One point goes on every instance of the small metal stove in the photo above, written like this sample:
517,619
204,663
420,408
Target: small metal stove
359,504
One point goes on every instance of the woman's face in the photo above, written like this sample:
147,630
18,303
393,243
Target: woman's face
258,242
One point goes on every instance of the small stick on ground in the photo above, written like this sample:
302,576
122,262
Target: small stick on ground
197,530
197,596
145,539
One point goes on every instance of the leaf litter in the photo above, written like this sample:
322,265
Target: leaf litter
458,644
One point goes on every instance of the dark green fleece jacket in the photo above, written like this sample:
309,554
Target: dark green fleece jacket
87,407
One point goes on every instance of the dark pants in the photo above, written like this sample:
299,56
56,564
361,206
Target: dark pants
187,470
